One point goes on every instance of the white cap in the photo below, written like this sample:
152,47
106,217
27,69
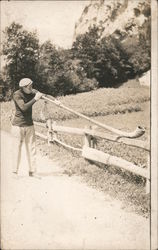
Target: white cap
24,82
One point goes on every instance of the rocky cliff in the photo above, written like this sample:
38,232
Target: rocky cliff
120,18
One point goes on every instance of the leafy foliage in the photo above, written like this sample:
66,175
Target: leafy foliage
59,74
21,49
90,63
110,61
140,52
103,59
86,49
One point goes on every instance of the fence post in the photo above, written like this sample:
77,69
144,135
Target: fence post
87,138
49,133
54,132
93,139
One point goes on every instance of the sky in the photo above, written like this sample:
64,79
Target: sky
54,20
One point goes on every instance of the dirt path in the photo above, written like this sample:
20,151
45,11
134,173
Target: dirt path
60,212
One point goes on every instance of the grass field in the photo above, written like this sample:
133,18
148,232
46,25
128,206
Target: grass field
96,103
124,109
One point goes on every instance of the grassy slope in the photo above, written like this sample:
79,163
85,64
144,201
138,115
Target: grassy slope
119,184
96,103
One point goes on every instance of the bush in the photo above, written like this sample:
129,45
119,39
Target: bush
88,85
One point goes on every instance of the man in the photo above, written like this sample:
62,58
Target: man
22,125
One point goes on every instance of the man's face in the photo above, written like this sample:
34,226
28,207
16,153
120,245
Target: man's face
28,89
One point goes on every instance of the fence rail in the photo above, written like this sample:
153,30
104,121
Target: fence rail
101,157
101,135
89,150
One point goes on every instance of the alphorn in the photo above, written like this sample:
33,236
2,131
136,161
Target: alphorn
139,131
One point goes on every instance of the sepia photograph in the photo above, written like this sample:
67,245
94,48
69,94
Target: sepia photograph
79,139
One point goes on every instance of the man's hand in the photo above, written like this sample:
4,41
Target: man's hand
38,96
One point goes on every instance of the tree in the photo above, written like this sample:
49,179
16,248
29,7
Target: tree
44,67
103,59
86,48
59,73
21,51
138,49
112,62
50,67
4,86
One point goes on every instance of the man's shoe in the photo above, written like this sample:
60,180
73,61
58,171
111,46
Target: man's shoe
15,172
33,174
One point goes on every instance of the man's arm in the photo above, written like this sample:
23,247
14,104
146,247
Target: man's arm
24,106
21,104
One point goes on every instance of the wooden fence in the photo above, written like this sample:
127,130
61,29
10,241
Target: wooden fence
89,151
